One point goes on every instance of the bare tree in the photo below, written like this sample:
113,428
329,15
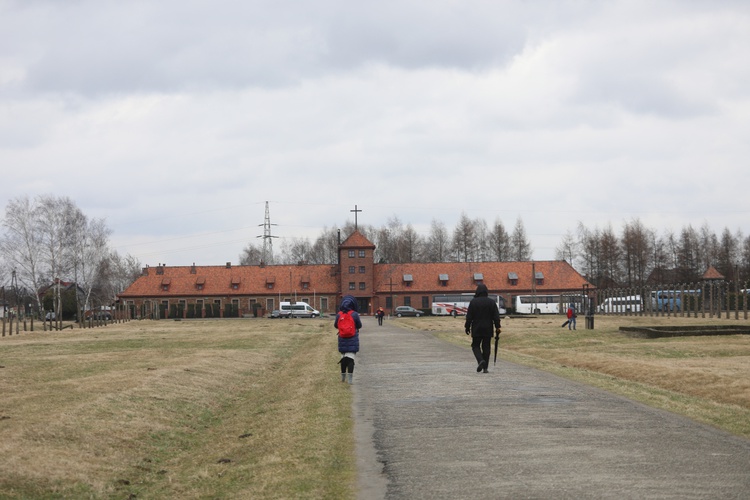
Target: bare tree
251,255
745,263
296,251
499,241
55,220
636,245
728,253
568,248
464,239
688,255
482,250
410,245
438,242
610,256
326,247
21,245
89,249
709,246
520,245
116,273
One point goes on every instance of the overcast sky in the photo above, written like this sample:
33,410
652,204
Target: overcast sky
176,120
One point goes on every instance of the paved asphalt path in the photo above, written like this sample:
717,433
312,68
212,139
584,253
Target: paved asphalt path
429,426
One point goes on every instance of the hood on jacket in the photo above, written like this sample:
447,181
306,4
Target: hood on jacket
481,290
348,303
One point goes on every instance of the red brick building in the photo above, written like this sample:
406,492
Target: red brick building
230,291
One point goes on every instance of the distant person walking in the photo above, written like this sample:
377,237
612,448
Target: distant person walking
482,319
348,324
572,317
380,314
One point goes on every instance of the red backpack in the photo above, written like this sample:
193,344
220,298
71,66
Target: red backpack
346,324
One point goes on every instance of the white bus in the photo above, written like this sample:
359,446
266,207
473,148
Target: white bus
630,303
546,304
458,304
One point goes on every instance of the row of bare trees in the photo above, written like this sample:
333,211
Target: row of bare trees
472,240
640,255
636,256
48,240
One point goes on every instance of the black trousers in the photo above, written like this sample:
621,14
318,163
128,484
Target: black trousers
347,365
480,346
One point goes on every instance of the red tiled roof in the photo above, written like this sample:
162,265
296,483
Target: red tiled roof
357,240
558,275
218,280
712,274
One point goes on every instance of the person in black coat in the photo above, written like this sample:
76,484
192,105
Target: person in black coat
482,320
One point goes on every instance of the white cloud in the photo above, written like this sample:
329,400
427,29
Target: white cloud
179,119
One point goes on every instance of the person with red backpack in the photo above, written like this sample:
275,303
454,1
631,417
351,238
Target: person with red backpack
348,324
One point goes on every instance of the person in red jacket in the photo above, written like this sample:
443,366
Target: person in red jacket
572,317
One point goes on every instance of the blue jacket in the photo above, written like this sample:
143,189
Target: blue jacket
349,344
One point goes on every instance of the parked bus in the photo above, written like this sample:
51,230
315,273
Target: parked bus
671,300
546,304
630,303
458,304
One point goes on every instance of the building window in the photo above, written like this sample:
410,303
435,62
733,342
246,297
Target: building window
539,277
269,286
362,285
199,286
235,286
513,279
305,286
443,278
352,285
352,269
324,303
425,302
362,270
361,253
407,301
389,302
407,283
165,288
351,253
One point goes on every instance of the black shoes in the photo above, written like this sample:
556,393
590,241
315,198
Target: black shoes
482,366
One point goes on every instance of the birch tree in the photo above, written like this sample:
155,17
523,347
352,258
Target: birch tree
21,245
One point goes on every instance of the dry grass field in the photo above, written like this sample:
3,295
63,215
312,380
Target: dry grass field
176,409
706,378
254,408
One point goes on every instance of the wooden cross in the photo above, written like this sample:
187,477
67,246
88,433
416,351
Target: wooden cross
355,216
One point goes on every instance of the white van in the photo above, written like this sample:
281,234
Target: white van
631,303
297,310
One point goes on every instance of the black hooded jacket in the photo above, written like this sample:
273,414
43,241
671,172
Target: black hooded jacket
483,316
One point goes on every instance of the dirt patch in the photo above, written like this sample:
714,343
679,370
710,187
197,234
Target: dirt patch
655,332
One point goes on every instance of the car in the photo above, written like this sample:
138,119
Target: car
103,315
407,311
297,310
50,316
275,314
